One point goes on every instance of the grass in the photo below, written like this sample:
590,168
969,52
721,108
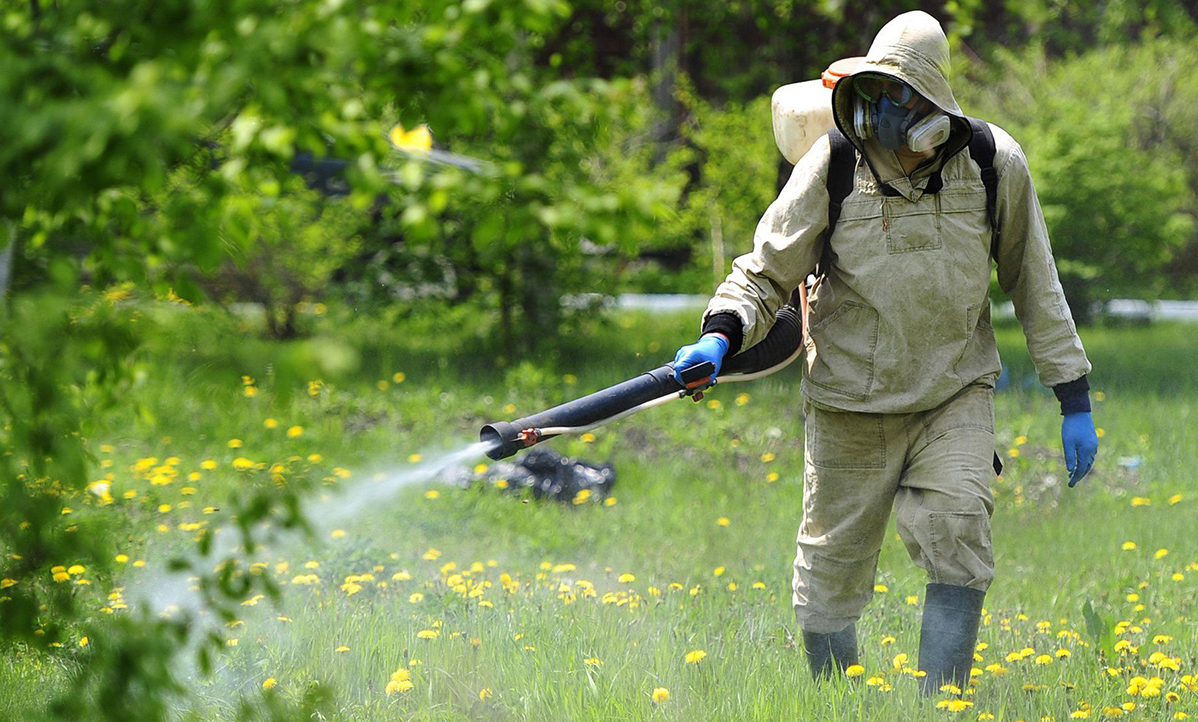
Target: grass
707,505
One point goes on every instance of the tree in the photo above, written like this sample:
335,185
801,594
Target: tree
1110,167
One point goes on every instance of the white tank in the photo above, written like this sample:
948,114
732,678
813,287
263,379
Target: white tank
803,111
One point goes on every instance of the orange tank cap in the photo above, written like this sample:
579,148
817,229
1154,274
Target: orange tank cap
838,69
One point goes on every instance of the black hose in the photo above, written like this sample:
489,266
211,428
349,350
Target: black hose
780,344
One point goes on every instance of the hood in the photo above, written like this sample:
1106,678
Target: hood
912,48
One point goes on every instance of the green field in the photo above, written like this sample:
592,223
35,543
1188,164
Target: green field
485,604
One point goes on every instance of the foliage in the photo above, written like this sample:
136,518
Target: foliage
151,141
1110,167
732,153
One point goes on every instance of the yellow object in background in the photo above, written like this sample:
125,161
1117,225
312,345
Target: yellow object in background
418,139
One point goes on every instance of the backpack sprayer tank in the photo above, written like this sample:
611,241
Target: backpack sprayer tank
802,112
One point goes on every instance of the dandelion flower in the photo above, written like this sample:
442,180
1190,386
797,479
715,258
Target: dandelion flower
484,693
695,656
400,687
428,633
235,443
626,578
1161,553
954,705
416,598
270,682
723,521
854,670
661,695
432,494
338,534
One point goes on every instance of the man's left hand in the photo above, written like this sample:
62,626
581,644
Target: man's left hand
1081,444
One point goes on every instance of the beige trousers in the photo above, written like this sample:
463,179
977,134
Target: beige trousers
933,467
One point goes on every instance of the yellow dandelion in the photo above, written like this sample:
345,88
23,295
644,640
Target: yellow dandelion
723,521
268,683
695,656
854,670
295,431
416,598
1176,498
626,578
587,438
235,443
484,693
428,633
393,687
1128,546
881,588
1160,553
661,695
432,494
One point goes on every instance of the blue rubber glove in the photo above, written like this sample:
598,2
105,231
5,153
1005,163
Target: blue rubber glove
711,347
1081,444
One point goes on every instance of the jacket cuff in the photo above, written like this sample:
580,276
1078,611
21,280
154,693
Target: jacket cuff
728,324
1074,396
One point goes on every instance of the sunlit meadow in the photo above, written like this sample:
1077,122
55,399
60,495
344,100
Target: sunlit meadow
670,598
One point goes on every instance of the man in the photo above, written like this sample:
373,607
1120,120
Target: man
901,359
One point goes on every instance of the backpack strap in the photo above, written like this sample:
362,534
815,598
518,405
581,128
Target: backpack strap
842,168
981,149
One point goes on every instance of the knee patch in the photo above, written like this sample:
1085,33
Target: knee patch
959,550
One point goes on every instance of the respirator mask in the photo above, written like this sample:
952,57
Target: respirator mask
892,112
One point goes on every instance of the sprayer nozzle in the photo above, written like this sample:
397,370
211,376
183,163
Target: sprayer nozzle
503,439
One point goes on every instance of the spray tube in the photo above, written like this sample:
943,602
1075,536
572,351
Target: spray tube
778,350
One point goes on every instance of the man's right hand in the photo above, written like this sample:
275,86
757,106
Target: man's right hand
711,347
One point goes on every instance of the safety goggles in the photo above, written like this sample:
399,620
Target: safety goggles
874,87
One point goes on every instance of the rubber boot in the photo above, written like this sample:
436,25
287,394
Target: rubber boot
829,653
950,630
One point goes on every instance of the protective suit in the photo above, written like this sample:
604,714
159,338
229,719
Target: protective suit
901,358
